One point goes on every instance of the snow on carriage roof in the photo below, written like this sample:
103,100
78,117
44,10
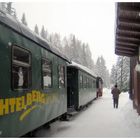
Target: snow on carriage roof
81,67
23,30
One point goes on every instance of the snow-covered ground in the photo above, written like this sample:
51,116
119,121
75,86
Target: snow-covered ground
99,120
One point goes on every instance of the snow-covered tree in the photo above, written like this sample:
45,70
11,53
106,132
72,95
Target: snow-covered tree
47,35
88,57
107,78
43,33
23,19
113,75
78,51
122,72
55,40
7,8
125,74
36,30
65,46
102,71
3,6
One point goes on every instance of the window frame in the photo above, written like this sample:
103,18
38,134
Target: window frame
64,74
51,68
18,63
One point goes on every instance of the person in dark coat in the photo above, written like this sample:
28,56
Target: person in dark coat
115,92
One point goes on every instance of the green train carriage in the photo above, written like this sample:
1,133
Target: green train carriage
81,86
33,87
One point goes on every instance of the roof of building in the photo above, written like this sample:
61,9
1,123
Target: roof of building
127,37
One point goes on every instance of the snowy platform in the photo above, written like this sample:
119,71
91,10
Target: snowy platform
99,120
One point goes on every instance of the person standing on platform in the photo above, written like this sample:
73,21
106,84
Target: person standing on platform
115,92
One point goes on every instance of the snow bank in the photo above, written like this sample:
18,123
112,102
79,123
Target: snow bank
131,116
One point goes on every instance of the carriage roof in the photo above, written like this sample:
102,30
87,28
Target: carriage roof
18,27
83,68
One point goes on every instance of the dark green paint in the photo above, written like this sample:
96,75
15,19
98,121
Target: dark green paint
10,125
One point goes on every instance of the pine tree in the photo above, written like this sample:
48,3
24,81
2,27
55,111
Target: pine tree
74,48
47,35
77,51
107,78
88,57
43,33
9,8
23,19
84,54
36,30
3,6
113,76
102,71
126,74
55,40
123,72
69,47
65,46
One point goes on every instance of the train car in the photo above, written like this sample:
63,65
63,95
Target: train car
33,85
99,86
81,86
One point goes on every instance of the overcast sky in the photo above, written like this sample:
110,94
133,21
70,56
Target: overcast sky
90,21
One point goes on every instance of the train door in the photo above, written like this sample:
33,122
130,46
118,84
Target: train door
71,88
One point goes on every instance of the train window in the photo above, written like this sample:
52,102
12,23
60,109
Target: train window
47,73
85,82
21,68
90,82
21,55
61,76
94,84
81,81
